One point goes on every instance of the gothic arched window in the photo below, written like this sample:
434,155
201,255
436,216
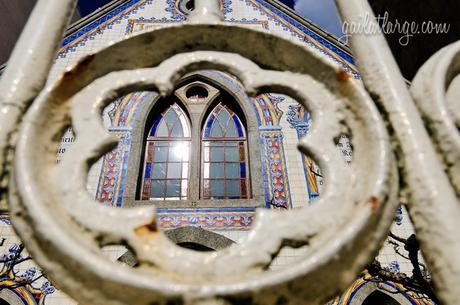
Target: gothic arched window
166,161
198,147
224,164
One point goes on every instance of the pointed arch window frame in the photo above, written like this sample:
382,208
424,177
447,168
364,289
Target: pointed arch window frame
224,160
197,112
166,166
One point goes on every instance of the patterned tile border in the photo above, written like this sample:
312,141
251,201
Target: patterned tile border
115,16
210,219
300,121
305,34
89,32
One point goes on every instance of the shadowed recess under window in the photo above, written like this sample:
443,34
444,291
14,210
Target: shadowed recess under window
379,298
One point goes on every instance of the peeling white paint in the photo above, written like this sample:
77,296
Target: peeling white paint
343,230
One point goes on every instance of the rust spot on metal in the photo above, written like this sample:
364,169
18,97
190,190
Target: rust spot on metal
53,283
343,75
147,229
81,65
374,204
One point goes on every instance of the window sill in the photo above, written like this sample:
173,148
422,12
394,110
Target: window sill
215,203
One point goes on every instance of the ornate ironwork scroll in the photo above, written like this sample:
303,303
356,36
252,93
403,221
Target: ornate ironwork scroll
341,232
429,167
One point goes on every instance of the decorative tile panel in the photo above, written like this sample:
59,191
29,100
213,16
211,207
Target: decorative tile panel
209,219
299,119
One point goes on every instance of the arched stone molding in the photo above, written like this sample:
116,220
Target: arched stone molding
183,235
197,114
363,291
199,236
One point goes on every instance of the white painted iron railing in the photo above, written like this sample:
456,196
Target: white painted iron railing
64,229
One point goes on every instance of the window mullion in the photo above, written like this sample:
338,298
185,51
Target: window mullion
196,159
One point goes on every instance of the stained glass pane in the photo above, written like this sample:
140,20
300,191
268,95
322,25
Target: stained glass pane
206,170
243,170
159,170
146,189
172,188
184,188
184,124
157,189
160,153
175,154
216,130
231,129
233,188
241,151
224,158
171,118
154,128
217,170
149,152
180,151
162,130
238,125
185,150
174,170
231,154
244,190
177,131
169,169
148,168
217,188
173,123
217,154
184,170
223,116
206,153
206,189
209,125
232,170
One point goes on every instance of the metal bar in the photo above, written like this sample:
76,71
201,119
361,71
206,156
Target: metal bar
27,71
206,11
433,205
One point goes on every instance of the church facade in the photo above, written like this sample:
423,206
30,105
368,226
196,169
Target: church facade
206,156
